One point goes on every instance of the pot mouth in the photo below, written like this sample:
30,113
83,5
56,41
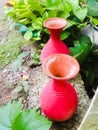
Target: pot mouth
55,23
61,66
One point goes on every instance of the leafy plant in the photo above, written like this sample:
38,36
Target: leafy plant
82,51
12,117
81,48
35,59
92,7
33,13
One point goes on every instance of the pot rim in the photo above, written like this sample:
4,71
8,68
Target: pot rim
61,23
73,71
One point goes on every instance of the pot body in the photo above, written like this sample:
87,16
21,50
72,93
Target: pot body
59,100
54,44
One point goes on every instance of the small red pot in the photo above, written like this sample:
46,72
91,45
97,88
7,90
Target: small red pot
59,100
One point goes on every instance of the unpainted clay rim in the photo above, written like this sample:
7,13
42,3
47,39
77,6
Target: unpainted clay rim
60,78
55,18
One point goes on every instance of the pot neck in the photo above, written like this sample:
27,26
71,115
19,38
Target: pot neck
54,34
59,85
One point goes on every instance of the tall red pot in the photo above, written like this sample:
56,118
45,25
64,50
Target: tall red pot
54,44
58,99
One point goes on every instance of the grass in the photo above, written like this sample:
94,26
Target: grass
10,49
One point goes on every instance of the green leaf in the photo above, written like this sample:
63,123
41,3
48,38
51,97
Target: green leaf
92,7
95,21
12,117
36,35
23,54
28,35
64,35
81,13
77,49
67,7
18,62
52,4
2,127
81,49
85,39
78,11
23,29
75,3
49,14
37,24
8,113
31,120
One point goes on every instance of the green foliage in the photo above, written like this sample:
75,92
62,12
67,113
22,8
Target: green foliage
92,10
30,120
33,13
28,35
81,49
35,59
8,113
92,6
12,117
95,21
18,62
79,12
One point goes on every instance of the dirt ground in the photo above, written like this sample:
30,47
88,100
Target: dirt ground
36,80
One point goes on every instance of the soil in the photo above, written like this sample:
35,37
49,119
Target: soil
36,80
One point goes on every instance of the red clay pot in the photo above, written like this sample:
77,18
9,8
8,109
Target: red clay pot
54,45
59,100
